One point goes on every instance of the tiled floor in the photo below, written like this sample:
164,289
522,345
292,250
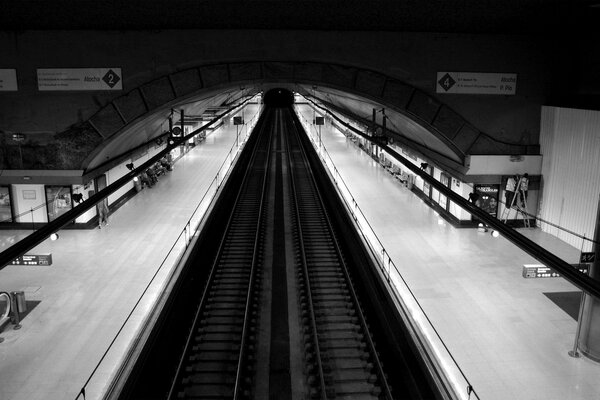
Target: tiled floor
510,340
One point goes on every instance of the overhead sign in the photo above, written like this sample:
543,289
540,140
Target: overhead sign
587,257
8,80
541,271
30,259
80,79
476,83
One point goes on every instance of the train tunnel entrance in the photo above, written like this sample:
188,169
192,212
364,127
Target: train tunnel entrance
279,97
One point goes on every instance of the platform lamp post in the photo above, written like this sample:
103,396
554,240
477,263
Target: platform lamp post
320,121
237,121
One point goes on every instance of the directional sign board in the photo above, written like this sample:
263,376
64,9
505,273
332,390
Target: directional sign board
587,257
33,259
476,83
72,79
8,80
541,271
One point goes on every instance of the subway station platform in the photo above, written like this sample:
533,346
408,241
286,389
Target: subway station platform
97,276
510,340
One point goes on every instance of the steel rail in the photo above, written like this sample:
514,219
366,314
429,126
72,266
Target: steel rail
245,328
210,279
313,321
344,267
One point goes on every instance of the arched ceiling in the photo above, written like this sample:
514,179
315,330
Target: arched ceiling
420,120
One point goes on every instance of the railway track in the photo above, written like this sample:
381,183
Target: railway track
341,357
216,352
278,316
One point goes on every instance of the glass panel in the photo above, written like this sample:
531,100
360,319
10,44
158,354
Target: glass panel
443,200
58,201
5,207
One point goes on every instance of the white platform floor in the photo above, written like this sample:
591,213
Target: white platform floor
510,340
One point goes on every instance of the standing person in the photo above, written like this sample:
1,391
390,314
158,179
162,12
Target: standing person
509,191
102,214
523,189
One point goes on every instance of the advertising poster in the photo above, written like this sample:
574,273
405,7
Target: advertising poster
488,198
8,80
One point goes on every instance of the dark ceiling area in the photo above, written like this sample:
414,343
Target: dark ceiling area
452,16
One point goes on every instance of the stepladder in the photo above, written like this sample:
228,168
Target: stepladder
518,202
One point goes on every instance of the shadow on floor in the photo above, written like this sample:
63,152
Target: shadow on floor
568,301
31,304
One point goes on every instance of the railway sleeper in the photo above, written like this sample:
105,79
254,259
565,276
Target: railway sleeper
206,392
226,286
218,347
327,263
227,320
340,335
344,326
353,353
242,280
228,292
331,297
214,378
224,336
341,344
328,275
357,391
216,329
329,283
332,304
349,375
211,367
218,356
226,298
348,318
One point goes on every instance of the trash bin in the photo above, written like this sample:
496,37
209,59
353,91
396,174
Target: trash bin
19,302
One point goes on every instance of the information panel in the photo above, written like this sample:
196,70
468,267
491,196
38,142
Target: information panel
72,79
8,80
476,83
541,271
587,257
33,259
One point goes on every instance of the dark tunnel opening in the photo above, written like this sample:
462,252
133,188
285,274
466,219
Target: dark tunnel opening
279,97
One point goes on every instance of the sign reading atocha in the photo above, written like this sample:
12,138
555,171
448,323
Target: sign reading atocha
80,79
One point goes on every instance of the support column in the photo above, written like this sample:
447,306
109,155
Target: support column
589,340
